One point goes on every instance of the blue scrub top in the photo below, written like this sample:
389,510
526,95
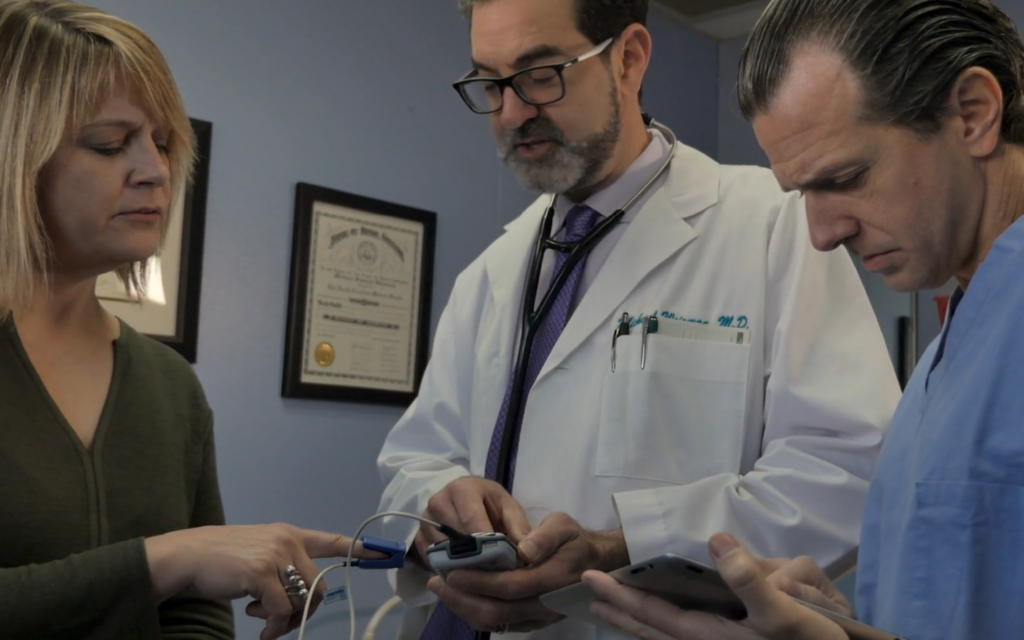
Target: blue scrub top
942,545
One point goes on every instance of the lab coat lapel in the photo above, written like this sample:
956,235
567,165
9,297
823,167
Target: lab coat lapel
657,233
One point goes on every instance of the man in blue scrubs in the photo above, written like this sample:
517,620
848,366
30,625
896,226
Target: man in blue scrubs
902,124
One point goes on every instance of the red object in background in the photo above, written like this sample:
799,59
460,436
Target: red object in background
943,304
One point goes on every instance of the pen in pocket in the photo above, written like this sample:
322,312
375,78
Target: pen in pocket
650,326
621,330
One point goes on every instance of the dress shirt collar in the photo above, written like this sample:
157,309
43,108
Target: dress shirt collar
607,200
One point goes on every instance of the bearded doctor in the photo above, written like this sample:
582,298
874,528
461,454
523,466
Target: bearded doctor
650,353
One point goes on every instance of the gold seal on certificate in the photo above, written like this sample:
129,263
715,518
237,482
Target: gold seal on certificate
324,354
360,298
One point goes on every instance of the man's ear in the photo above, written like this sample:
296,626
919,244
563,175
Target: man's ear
635,42
977,109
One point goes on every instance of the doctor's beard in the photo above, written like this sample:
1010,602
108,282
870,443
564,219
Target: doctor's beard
568,165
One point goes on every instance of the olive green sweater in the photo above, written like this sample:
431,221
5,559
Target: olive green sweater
72,520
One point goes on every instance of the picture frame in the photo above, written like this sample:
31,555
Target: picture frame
359,299
169,310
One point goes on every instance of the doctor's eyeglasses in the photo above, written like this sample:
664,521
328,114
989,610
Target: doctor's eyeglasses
538,85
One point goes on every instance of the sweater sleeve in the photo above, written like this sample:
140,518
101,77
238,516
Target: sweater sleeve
104,592
188,615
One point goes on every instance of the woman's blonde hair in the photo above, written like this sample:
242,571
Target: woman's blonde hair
58,59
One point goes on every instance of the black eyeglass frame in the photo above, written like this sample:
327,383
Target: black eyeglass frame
509,80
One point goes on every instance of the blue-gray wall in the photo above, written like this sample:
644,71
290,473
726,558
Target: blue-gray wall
353,96
1014,8
736,141
681,81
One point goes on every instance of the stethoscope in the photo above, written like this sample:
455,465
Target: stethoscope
533,315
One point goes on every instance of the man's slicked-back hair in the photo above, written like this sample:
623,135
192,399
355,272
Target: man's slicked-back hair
598,20
907,55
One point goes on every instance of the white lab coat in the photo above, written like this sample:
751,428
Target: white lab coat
774,441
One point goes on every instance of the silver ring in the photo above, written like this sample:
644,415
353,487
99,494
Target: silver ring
296,586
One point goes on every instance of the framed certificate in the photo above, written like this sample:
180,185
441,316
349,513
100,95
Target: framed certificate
359,301
169,309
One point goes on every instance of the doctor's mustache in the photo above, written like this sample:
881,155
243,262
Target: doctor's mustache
539,128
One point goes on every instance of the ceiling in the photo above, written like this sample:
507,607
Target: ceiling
723,19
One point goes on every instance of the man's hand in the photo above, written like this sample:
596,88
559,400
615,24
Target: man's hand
802,578
649,617
472,505
761,584
557,553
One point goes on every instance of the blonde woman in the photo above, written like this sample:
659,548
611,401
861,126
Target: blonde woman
108,487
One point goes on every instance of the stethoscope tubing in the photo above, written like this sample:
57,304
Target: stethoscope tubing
533,316
533,319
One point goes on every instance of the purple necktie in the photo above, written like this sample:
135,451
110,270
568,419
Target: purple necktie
443,623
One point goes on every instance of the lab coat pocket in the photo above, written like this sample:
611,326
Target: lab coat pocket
678,419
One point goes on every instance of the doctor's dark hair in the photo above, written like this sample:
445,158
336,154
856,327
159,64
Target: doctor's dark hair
598,20
907,55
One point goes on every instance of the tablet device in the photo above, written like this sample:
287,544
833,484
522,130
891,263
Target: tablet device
687,584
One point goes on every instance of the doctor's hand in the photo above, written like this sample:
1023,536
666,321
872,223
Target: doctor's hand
472,505
557,552
761,584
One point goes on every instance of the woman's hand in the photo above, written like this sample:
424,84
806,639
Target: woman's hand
230,562
761,584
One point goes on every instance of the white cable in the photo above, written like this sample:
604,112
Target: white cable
348,571
382,612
